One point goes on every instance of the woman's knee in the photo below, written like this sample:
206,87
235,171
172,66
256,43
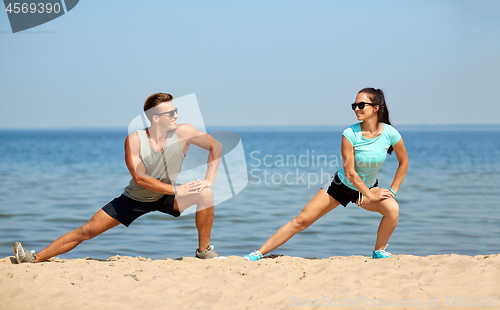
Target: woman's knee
391,209
301,222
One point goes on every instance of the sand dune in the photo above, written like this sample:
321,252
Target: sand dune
355,282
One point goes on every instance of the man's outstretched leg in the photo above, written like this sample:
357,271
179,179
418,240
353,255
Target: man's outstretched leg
98,224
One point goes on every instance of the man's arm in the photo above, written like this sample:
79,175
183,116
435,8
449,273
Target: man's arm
191,135
138,171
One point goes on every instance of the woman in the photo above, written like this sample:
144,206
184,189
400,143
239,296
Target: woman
364,149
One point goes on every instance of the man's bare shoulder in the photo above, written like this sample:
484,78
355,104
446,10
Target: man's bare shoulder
133,137
132,141
186,130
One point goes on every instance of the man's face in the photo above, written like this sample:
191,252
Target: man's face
166,116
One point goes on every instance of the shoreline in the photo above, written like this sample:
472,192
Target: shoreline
282,282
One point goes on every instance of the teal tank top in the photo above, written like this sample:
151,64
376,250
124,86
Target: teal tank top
369,154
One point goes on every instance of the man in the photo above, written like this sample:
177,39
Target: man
154,157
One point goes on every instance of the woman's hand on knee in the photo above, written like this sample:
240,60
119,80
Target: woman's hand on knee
380,194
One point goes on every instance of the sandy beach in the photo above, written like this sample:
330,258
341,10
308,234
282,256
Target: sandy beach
355,282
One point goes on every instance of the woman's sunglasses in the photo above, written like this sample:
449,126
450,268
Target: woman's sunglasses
170,113
361,105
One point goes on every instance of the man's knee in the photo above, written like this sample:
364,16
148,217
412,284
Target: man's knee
85,232
207,196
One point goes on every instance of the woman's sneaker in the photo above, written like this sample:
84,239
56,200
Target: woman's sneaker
208,253
23,255
254,256
381,253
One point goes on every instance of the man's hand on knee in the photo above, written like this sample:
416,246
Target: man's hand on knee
204,184
189,188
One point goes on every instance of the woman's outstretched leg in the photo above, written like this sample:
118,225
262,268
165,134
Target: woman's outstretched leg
320,204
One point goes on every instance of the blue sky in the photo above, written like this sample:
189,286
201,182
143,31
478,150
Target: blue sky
254,63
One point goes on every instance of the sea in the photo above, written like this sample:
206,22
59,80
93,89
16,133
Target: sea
54,180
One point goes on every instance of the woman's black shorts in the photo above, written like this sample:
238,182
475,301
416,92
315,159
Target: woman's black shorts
341,192
126,210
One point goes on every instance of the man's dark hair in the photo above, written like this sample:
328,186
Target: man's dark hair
154,100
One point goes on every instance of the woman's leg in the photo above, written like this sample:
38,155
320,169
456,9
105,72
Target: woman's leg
320,204
98,224
389,208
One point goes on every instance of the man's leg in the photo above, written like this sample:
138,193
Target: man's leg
98,224
204,221
204,214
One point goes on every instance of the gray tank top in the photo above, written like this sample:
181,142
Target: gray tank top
163,166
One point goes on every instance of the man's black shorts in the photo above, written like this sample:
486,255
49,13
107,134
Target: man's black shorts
126,210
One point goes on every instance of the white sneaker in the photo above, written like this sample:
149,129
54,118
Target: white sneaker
23,255
210,252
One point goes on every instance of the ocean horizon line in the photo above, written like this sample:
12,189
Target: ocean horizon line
423,127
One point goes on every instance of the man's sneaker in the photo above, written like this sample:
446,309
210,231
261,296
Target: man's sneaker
256,255
23,255
381,253
208,253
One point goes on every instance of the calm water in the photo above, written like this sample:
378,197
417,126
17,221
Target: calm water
52,181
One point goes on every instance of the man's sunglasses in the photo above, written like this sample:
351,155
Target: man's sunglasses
361,105
170,113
